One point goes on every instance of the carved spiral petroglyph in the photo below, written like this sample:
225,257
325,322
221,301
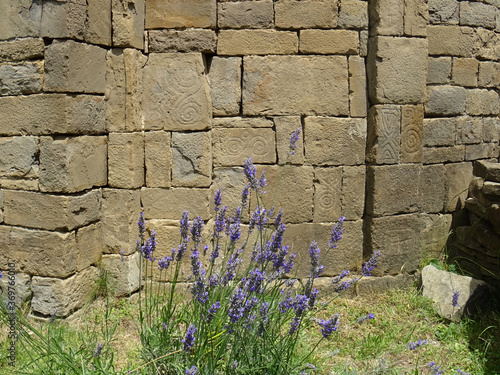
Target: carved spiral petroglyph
187,112
259,146
325,200
411,140
234,146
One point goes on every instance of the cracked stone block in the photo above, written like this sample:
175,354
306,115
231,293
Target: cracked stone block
192,159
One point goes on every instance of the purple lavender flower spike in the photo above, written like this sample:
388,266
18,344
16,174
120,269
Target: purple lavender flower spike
192,371
141,223
264,310
365,318
213,310
98,349
250,171
236,305
164,262
184,226
294,325
370,264
149,246
180,251
414,345
244,195
263,180
435,368
214,254
196,229
337,232
338,279
329,326
454,299
294,138
189,339
314,253
218,199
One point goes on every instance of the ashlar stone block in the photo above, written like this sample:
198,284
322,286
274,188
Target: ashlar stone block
51,212
465,71
386,17
477,14
353,187
72,164
438,70
432,185
21,49
489,74
353,14
24,78
292,85
128,23
446,100
344,138
384,134
158,158
189,40
469,130
294,14
488,43
443,11
246,14
433,155
336,42
481,151
22,288
17,156
225,85
257,42
457,177
482,102
89,244
397,70
126,160
98,22
233,146
357,87
180,13
231,181
327,194
63,19
285,126
192,159
76,67
451,41
416,17
20,18
242,122
412,118
123,272
439,132
176,94
170,203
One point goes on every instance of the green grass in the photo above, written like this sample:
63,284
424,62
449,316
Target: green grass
378,346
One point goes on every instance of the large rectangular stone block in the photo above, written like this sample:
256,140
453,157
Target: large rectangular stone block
457,177
477,14
443,11
242,122
469,130
353,14
488,42
72,164
446,100
438,70
246,14
171,14
176,95
416,17
75,67
52,212
357,87
89,244
433,155
397,70
481,151
257,42
63,19
432,184
123,273
224,78
126,160
327,194
231,181
21,49
393,189
23,78
336,42
293,14
285,126
119,214
98,22
386,17
292,85
20,18
412,118
52,114
158,158
482,102
233,146
439,132
344,138
451,41
465,71
170,203
384,134
189,40
192,159
17,157
489,74
128,23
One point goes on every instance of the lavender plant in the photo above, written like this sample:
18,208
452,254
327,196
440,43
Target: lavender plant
247,309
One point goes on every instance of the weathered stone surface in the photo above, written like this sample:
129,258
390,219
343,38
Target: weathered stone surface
482,102
134,63
189,40
481,151
21,49
432,187
357,87
363,43
344,138
386,17
487,170
285,126
416,17
291,85
353,187
126,160
52,212
25,78
451,41
192,159
119,214
123,273
435,234
233,146
401,240
293,14
62,296
224,78
393,189
465,71
491,128
128,23
176,94
443,11
353,14
477,14
22,288
368,286
180,13
257,42
469,130
17,157
489,74
327,194
439,132
19,184
20,18
384,134
242,122
246,14
347,256
89,244
75,67
488,43
446,100
438,70
457,177
412,118
72,164
397,70
231,181
98,22
158,158
440,286
452,154
294,192
63,19
170,203
336,42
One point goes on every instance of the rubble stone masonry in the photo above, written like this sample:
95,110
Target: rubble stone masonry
113,107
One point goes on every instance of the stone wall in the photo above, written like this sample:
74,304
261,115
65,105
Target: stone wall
110,107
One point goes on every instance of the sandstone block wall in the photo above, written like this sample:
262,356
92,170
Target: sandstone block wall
111,107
